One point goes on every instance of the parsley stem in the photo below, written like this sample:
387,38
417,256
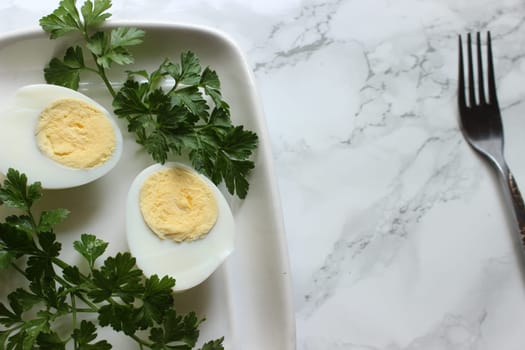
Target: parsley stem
175,86
86,310
74,314
79,295
108,84
102,73
32,220
93,307
92,70
141,342
63,265
17,268
14,328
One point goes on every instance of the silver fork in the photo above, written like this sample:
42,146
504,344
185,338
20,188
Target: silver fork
480,120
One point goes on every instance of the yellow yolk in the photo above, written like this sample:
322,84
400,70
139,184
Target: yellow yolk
177,204
75,133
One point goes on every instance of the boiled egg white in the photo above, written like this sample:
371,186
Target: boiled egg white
18,144
189,262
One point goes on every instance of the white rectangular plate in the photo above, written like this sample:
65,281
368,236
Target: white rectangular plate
248,300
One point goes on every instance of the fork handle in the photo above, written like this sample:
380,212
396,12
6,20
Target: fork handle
513,194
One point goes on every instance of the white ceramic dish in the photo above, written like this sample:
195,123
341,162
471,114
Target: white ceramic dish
248,300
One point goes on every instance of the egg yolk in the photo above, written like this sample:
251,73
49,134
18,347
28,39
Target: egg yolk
177,204
75,133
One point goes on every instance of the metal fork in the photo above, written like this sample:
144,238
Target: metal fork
480,120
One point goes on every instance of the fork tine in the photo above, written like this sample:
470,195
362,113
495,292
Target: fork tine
493,98
461,77
471,89
481,85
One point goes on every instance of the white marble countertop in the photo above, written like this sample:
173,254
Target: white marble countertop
397,233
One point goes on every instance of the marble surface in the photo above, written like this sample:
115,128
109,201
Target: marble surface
397,232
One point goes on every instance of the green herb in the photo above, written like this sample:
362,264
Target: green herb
176,109
115,290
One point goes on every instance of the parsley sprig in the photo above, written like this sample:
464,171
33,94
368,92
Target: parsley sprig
175,109
114,291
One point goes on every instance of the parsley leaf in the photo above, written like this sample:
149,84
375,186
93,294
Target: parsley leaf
124,37
66,72
49,245
93,13
86,334
131,102
72,274
188,72
156,300
171,110
24,299
119,317
118,276
156,144
16,242
116,293
191,98
63,20
179,119
16,194
176,329
28,334
90,247
213,345
50,218
50,341
8,317
212,86
112,47
6,257
21,222
66,18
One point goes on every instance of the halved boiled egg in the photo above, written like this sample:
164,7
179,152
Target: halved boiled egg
178,224
58,136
